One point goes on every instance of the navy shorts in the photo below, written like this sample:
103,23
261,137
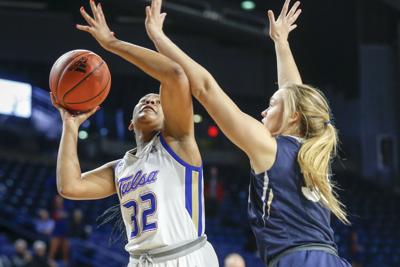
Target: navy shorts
311,258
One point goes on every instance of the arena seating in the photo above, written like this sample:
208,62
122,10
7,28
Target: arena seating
26,187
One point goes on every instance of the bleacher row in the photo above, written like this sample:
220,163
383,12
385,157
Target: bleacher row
26,187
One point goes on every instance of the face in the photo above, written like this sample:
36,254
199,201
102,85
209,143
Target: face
148,111
20,246
272,116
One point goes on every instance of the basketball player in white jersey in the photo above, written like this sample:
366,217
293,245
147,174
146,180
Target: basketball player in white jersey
160,183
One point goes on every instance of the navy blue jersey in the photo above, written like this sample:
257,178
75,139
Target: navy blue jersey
283,213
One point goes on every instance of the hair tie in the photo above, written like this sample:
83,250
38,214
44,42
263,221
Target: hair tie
327,122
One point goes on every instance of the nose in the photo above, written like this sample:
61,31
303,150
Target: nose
264,113
150,101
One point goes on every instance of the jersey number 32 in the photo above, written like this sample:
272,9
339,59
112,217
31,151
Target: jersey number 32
141,211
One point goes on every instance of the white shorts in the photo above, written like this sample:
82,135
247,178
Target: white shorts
203,257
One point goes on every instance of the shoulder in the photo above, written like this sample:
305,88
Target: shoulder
288,144
284,145
184,148
116,166
264,157
287,147
113,164
289,140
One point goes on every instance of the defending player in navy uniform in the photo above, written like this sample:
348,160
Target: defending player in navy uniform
291,197
160,183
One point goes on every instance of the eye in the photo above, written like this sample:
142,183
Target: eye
158,102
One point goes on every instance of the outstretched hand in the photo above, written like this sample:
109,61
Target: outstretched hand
279,29
70,119
154,19
97,27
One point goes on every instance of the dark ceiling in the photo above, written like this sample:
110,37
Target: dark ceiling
325,44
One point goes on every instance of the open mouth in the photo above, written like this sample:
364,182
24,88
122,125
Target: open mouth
147,108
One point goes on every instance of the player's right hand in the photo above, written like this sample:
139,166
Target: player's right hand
97,27
70,119
154,19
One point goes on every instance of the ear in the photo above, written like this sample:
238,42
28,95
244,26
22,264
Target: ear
131,126
295,117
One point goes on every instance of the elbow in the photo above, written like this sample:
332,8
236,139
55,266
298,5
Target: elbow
200,81
68,192
177,75
201,89
62,192
65,192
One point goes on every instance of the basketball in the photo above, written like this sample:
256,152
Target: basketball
80,80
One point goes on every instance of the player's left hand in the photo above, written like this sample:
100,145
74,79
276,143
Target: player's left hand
154,19
97,27
71,120
279,29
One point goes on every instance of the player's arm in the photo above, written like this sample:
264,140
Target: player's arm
154,64
175,95
177,104
279,31
247,133
71,183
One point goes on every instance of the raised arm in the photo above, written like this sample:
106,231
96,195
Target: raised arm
244,131
174,91
279,31
71,183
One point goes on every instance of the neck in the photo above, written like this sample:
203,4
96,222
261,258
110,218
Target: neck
143,138
294,131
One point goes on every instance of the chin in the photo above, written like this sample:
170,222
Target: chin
147,117
274,132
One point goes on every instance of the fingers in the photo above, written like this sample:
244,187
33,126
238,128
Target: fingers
162,16
292,27
100,13
294,17
271,17
285,9
94,10
86,115
156,7
83,28
148,12
293,9
87,18
90,113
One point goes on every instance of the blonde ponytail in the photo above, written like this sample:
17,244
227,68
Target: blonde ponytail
320,145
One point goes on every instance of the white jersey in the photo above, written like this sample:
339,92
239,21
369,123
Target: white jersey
161,197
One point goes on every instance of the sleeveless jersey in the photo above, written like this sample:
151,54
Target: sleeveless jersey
283,212
161,197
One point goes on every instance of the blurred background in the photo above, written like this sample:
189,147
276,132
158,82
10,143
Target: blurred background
348,48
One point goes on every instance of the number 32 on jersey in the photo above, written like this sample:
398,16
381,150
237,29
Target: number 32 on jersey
141,210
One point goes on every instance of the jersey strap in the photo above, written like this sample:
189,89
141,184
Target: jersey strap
193,189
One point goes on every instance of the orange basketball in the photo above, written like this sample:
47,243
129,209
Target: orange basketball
80,80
